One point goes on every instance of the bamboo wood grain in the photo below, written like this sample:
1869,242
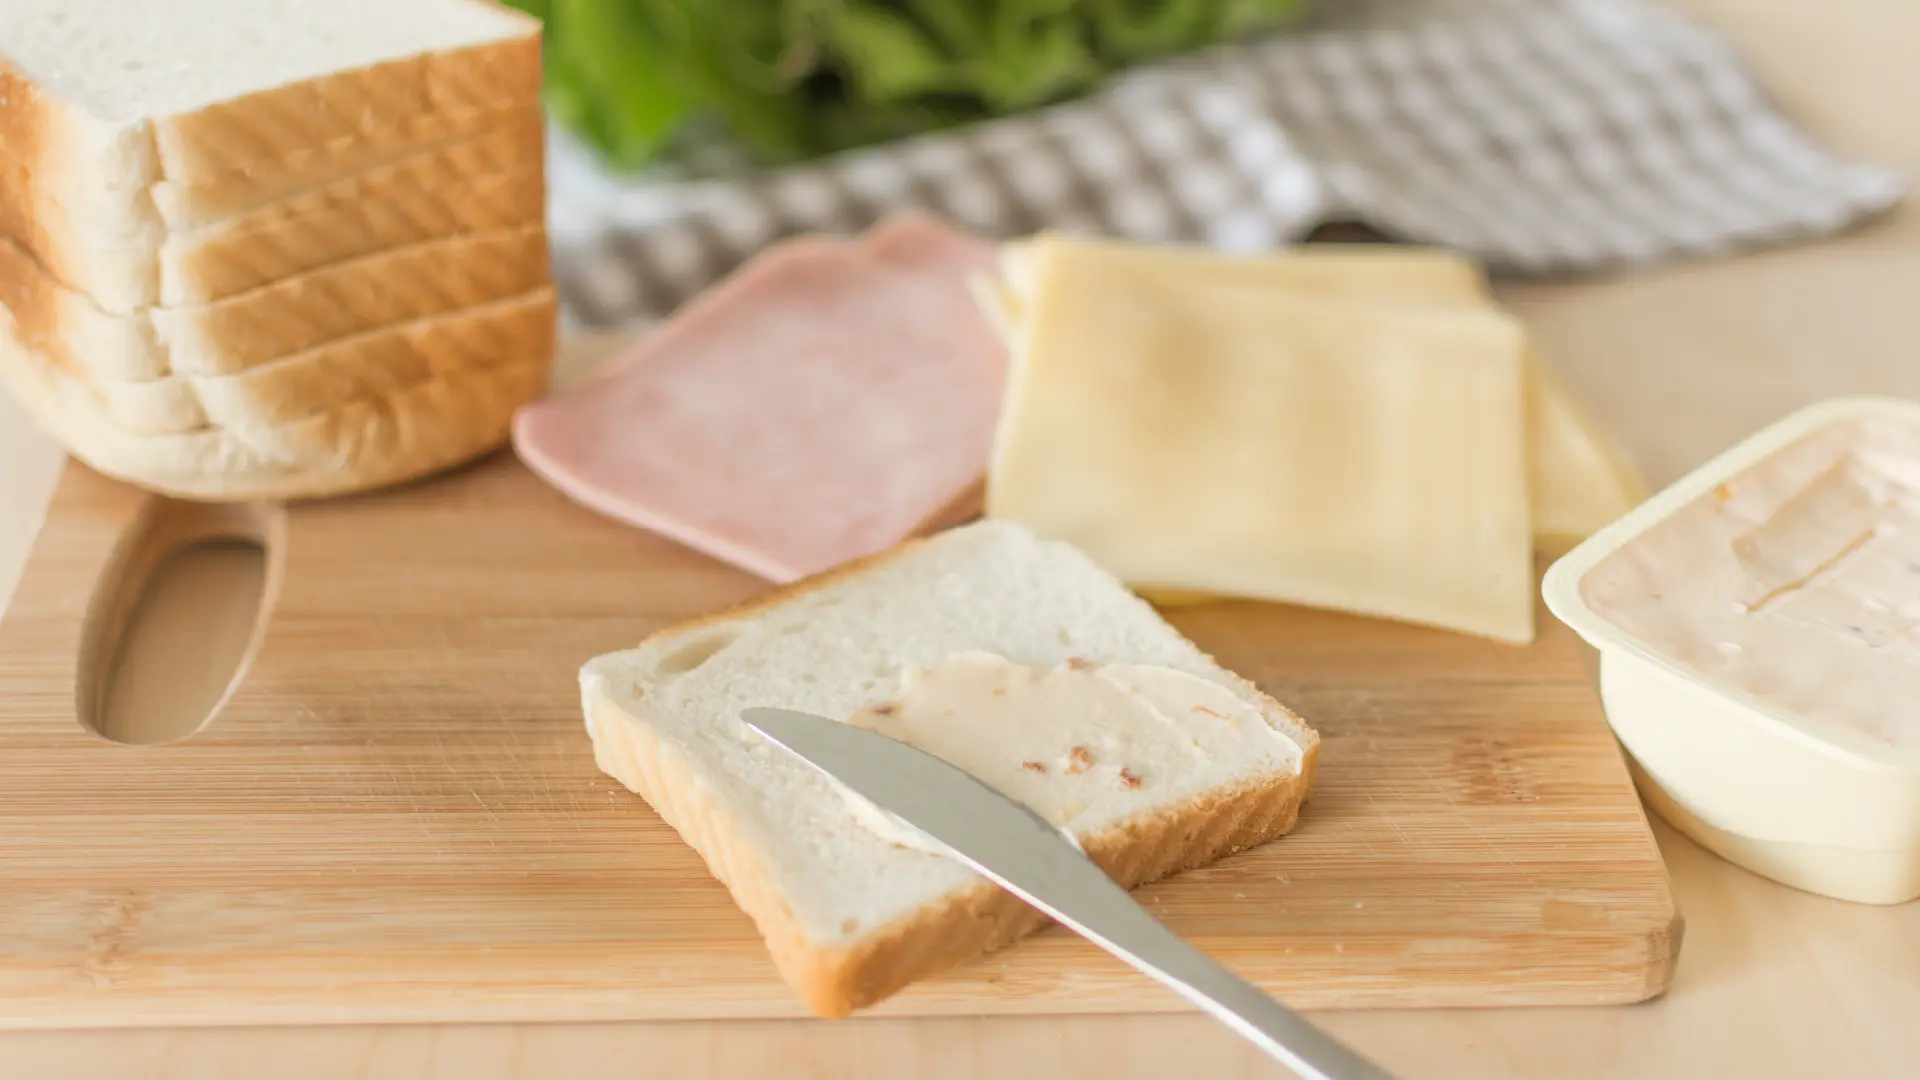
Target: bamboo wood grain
394,814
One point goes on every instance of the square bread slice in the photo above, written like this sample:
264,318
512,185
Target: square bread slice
1214,434
361,445
371,365
283,317
851,917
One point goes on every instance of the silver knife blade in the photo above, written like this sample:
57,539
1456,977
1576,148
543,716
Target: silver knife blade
1025,854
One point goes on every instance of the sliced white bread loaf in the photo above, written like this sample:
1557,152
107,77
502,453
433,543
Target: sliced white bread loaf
138,222
363,444
289,238
371,365
514,138
284,317
849,916
121,94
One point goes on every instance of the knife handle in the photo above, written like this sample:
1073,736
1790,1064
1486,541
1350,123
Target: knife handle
1106,915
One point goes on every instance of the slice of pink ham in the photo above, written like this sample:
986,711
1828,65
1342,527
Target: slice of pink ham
823,403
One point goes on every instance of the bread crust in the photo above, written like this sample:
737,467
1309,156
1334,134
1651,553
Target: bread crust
284,317
364,113
189,203
359,446
836,980
83,227
366,103
66,173
232,257
380,362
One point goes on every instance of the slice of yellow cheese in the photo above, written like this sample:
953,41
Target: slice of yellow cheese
1210,433
1579,480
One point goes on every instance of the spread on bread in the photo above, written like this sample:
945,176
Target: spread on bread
1081,744
1109,721
824,403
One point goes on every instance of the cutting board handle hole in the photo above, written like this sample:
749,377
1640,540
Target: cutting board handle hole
174,620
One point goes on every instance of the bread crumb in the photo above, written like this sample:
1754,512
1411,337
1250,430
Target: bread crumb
1033,766
1079,760
886,708
1127,779
849,925
1079,664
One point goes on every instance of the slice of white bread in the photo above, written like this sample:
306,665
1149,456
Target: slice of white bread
278,319
848,916
375,364
364,444
138,222
285,239
514,137
119,95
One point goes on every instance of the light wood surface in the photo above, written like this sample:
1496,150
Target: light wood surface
394,813
1772,983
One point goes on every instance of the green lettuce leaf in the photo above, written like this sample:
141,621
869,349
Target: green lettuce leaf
790,79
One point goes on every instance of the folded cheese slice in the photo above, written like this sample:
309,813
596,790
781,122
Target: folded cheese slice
824,403
1578,479
1211,433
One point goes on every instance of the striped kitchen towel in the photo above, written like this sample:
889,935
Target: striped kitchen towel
1543,137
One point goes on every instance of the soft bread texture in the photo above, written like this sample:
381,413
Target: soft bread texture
288,316
286,239
108,95
848,917
377,363
361,445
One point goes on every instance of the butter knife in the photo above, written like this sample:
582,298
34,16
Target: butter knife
1029,857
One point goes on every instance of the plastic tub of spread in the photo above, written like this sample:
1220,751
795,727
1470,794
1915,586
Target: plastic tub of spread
1758,625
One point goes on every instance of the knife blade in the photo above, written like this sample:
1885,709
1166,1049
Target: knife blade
1026,855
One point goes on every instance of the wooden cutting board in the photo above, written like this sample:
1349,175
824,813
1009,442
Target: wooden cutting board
394,815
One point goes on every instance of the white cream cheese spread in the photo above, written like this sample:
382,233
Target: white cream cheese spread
1796,581
1081,744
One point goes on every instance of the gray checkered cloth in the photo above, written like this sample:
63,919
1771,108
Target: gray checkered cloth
1544,137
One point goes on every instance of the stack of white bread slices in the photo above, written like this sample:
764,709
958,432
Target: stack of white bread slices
272,248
